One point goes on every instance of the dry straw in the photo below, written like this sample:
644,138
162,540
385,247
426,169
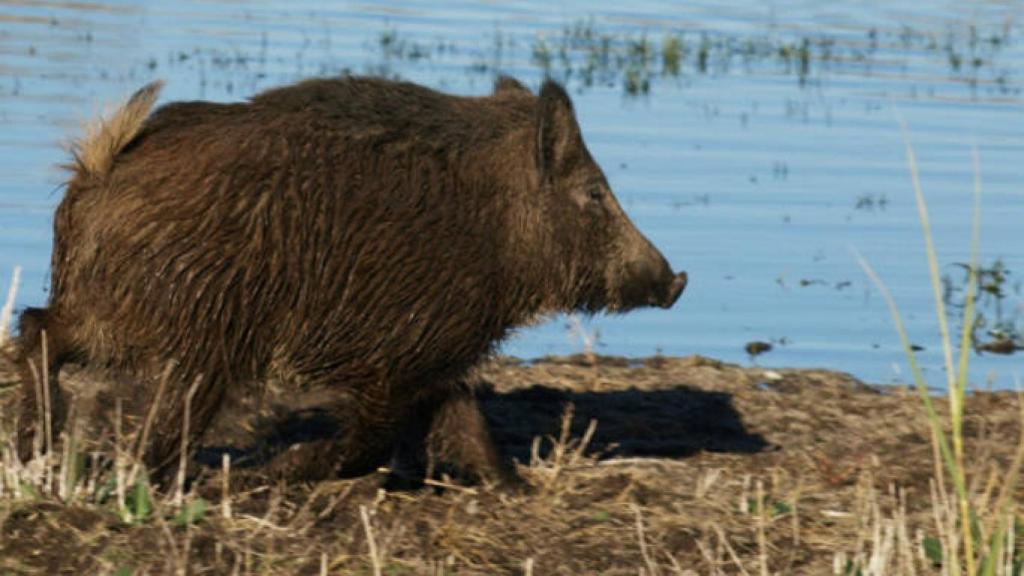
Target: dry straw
7,312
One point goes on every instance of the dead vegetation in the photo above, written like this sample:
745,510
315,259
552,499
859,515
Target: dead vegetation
660,466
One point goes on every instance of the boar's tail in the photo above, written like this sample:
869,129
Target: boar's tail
94,153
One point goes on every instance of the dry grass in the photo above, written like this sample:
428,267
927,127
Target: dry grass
7,311
670,466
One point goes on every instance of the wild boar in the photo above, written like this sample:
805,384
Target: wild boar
366,242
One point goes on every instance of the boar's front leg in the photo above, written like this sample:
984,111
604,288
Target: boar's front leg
447,432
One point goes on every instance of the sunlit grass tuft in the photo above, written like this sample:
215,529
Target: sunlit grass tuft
975,535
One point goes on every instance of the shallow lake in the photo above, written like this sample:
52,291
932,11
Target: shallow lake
756,143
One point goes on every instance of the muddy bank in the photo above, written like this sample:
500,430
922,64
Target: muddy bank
692,465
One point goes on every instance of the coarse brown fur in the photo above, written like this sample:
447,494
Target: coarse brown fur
365,241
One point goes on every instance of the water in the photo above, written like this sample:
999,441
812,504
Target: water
757,162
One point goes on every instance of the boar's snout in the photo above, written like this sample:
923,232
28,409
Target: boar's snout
675,289
651,282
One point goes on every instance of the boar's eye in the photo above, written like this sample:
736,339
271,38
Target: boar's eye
596,193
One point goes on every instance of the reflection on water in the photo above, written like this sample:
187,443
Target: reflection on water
756,145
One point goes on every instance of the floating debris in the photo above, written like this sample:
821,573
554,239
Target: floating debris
1003,346
998,305
757,347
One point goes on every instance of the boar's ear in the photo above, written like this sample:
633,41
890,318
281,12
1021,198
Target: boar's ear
557,132
509,85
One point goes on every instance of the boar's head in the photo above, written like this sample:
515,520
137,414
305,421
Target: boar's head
608,264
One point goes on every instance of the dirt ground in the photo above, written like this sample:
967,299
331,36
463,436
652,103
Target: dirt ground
653,466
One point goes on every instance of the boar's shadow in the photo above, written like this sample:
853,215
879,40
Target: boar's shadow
664,423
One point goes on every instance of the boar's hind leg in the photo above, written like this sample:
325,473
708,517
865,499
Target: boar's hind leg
448,433
36,326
